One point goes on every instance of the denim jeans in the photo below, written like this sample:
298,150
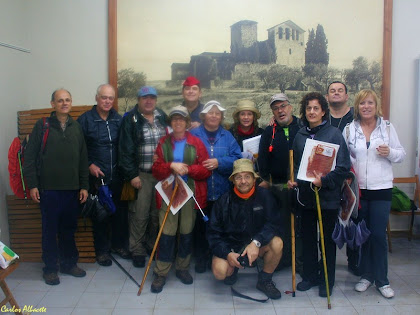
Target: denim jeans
374,264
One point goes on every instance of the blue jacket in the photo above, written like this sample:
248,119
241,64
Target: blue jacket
226,150
102,140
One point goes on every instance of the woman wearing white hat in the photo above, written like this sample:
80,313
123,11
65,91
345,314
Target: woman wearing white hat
223,151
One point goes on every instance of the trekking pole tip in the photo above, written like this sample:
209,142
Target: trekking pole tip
205,218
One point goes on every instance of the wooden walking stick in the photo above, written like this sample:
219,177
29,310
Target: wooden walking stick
292,223
158,237
321,232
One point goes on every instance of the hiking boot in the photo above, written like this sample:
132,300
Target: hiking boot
51,278
158,283
74,271
104,259
231,280
386,291
306,285
122,252
139,261
200,266
322,291
184,276
269,289
362,285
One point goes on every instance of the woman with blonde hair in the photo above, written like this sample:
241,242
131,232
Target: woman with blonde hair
373,146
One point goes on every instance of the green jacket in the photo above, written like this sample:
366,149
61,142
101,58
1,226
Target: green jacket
131,137
64,162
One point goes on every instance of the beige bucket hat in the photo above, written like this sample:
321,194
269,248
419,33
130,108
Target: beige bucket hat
243,165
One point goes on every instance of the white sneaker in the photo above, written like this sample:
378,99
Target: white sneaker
362,285
386,291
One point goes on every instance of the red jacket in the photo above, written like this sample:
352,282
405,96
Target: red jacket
161,168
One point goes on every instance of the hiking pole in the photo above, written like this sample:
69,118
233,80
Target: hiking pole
321,232
123,270
158,237
292,224
205,218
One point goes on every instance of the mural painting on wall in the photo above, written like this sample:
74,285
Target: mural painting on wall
246,49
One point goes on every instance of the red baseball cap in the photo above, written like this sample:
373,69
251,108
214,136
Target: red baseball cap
190,81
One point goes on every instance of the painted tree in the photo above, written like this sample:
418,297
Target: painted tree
309,51
128,83
321,55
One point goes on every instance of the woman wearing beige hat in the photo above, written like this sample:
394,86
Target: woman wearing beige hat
245,123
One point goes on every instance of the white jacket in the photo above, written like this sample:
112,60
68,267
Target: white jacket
373,171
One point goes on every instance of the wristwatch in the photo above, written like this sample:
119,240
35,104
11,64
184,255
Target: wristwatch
257,243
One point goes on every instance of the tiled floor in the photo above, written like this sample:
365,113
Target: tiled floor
107,290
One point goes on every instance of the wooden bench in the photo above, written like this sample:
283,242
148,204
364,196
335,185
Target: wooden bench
414,181
25,215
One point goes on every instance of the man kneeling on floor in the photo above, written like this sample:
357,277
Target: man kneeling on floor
245,217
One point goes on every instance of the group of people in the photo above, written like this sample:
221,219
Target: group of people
244,195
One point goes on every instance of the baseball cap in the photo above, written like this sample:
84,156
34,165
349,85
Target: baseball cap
278,97
178,110
190,81
146,90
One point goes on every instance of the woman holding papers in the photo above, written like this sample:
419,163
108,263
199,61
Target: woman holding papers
223,151
183,154
374,145
314,114
245,125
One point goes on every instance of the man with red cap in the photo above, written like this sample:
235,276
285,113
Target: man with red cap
191,92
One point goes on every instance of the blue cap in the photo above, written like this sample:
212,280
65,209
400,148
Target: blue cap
146,90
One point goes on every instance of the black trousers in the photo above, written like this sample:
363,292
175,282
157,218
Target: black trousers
312,271
201,245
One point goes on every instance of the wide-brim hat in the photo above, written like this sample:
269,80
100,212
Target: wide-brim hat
242,165
246,105
209,105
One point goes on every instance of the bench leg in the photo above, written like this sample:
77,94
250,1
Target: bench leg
9,297
388,231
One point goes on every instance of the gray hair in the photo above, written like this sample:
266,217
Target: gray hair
104,85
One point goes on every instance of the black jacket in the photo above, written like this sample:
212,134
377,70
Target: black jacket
102,140
234,222
330,192
276,162
131,135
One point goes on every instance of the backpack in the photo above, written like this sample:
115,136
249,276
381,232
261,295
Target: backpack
400,201
16,157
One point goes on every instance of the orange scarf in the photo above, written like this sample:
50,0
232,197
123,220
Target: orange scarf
244,196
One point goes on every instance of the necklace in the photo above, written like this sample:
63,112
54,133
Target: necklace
339,123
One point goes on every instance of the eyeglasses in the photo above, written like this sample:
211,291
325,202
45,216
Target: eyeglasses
282,107
246,177
104,98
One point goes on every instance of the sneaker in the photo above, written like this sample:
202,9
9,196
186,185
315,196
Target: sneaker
231,280
269,289
322,291
74,271
158,283
104,260
184,276
51,278
362,285
200,266
139,261
122,252
306,285
386,291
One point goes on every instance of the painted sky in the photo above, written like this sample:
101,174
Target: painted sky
154,34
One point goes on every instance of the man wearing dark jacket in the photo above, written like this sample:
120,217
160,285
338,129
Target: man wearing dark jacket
273,163
57,177
245,223
140,132
101,128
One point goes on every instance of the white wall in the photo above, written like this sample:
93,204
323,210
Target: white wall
68,44
404,111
